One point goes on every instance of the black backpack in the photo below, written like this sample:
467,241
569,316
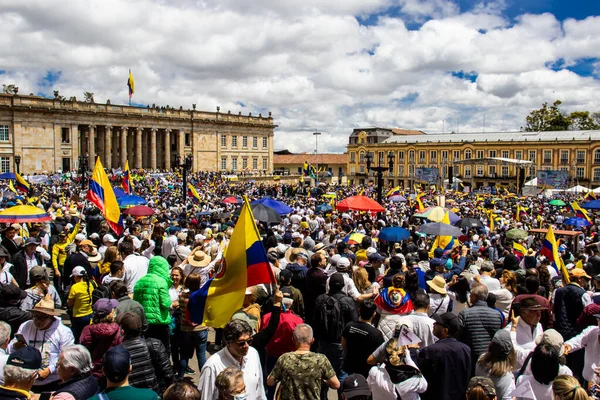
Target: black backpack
329,319
100,292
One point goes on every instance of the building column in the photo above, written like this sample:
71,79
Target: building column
181,143
108,146
138,148
167,149
91,146
124,130
153,148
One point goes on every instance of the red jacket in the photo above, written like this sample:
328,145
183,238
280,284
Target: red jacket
98,339
282,341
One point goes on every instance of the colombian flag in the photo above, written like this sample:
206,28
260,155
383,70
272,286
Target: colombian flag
245,264
580,212
126,183
519,250
131,84
590,196
443,242
101,194
420,203
395,191
550,251
21,184
192,192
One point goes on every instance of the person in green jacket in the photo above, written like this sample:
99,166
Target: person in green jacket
152,292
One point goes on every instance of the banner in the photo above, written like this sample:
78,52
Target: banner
553,179
429,175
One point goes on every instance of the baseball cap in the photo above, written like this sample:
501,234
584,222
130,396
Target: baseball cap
296,235
37,273
109,238
447,320
355,385
32,240
27,357
579,273
343,264
553,338
94,236
103,307
80,237
501,343
87,242
485,383
79,271
376,257
116,364
130,322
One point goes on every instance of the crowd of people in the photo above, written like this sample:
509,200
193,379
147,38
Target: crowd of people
89,314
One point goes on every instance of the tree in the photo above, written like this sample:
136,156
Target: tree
547,118
582,121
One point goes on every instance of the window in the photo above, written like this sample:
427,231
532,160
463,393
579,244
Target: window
505,154
264,162
566,169
547,156
223,163
580,172
564,156
223,141
5,164
244,163
532,156
254,142
401,156
596,174
362,169
467,171
411,155
65,134
445,155
479,170
456,155
234,141
468,155
580,156
532,171
352,170
421,157
244,141
519,154
492,170
234,164
433,157
361,158
255,163
456,170
3,133
66,164
479,153
188,140
596,156
299,170
381,159
401,170
504,171
352,156
492,153
265,142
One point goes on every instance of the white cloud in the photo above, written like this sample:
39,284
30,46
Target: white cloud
311,63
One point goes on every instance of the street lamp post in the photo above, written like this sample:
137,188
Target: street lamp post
316,135
17,162
186,166
83,165
380,169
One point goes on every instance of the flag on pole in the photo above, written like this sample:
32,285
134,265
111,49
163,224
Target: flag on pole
394,191
21,184
126,183
130,85
580,212
550,251
12,187
192,192
443,242
245,264
101,194
519,250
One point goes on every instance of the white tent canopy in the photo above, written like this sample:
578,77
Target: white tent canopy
577,189
532,182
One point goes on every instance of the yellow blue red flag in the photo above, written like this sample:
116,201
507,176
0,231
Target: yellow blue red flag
192,192
580,212
21,184
519,250
130,84
127,181
245,264
550,251
101,194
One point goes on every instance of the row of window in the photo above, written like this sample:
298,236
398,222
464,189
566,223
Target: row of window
234,141
234,163
456,155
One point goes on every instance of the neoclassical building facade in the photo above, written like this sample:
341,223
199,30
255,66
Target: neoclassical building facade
50,134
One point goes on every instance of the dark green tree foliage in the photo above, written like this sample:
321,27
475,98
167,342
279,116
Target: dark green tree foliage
551,118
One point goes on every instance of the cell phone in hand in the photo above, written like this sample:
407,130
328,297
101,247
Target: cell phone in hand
45,396
20,338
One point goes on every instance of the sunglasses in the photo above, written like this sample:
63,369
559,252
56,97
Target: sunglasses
242,343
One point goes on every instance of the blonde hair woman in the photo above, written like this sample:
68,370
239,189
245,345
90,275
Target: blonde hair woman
566,387
360,276
498,363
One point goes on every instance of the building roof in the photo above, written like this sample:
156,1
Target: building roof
495,137
407,132
324,158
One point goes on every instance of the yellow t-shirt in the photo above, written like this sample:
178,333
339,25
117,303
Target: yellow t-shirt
83,299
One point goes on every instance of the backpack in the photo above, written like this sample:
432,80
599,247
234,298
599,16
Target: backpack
329,319
100,292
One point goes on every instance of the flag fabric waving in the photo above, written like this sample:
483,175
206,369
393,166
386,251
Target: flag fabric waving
192,192
101,194
580,212
130,85
420,203
127,183
21,184
550,251
519,250
394,191
12,187
245,265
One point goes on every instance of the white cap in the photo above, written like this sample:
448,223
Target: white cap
199,237
94,236
371,250
79,271
296,235
79,237
137,243
334,259
108,238
343,262
69,226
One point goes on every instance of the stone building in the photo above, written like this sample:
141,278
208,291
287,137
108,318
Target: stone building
332,166
51,134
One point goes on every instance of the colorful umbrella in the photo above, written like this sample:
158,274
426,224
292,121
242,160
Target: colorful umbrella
232,200
516,234
139,211
354,238
278,206
359,203
557,203
19,214
436,214
130,201
592,205
323,207
394,234
576,221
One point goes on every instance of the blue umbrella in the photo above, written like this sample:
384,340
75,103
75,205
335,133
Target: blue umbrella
323,207
279,207
8,175
394,234
130,201
576,221
397,198
592,205
119,192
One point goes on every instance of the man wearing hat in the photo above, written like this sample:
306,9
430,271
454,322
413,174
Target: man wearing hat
107,241
197,263
356,387
298,268
528,326
5,276
24,260
569,302
11,297
116,367
8,239
20,372
40,286
447,355
87,249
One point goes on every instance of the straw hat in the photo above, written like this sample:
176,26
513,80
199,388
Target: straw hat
198,258
45,306
438,284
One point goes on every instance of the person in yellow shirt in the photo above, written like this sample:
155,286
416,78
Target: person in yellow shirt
59,255
79,301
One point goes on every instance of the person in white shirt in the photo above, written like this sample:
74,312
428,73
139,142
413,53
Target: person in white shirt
169,243
438,297
135,266
107,241
237,353
422,324
589,340
349,289
528,327
4,340
487,276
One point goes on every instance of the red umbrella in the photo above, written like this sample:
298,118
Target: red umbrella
231,200
359,203
139,211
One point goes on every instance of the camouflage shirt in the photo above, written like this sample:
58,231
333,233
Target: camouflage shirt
301,375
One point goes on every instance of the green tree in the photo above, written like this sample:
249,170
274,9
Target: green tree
582,121
547,118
